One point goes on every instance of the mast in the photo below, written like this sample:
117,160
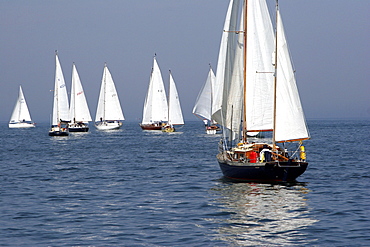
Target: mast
57,90
105,85
20,97
169,100
73,89
275,80
244,132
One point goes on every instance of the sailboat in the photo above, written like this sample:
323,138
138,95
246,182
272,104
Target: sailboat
174,108
203,104
256,94
60,118
109,114
79,111
21,117
155,112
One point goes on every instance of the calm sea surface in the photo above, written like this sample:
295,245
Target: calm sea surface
134,188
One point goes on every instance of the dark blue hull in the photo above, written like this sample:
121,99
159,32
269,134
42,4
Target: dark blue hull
79,129
263,172
58,133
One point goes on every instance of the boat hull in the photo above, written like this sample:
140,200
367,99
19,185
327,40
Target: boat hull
108,125
78,128
58,133
150,127
169,129
263,172
21,125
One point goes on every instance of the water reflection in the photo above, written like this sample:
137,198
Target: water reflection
262,214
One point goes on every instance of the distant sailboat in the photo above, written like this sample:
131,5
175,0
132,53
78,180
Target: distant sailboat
155,113
256,94
203,104
79,111
21,117
60,118
174,108
109,113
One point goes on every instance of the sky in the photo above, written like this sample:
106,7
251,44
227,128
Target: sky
329,43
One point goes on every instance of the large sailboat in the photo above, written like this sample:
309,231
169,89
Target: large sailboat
21,117
203,104
258,94
109,114
79,111
174,108
60,117
155,113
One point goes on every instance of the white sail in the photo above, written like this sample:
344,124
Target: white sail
79,110
259,73
225,62
259,91
290,120
155,106
174,108
20,112
60,106
203,104
109,107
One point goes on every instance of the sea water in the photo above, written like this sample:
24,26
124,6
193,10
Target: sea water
130,187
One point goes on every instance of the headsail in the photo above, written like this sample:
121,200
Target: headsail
225,62
203,104
290,120
79,110
174,108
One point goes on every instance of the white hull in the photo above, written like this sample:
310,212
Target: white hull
108,126
211,131
21,125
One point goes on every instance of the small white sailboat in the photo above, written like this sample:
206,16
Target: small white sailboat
109,114
79,111
203,104
60,118
255,94
174,108
155,112
21,117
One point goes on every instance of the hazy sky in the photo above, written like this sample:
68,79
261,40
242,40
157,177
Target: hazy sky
329,41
